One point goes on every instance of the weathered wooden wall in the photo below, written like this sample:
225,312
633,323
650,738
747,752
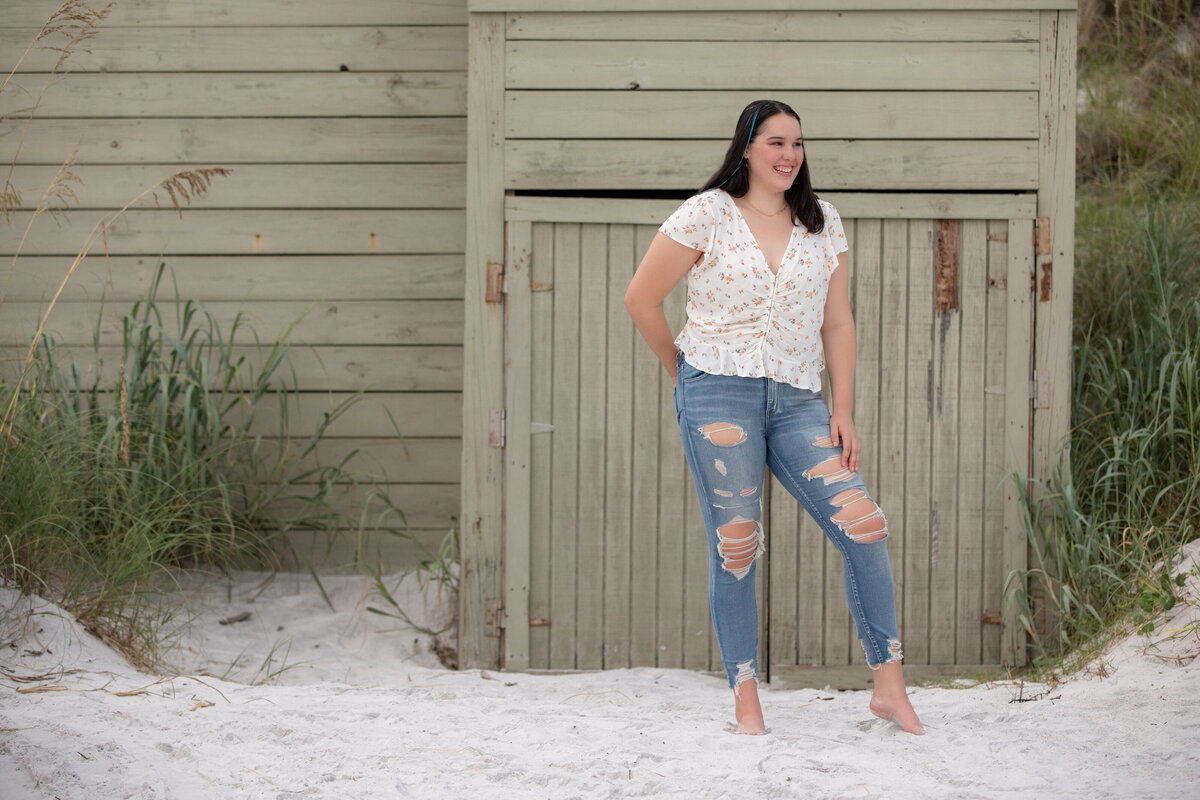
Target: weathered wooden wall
918,115
344,125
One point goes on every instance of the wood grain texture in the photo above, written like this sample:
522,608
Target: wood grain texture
1018,415
240,94
577,164
995,459
648,114
281,186
674,487
541,476
943,66
155,13
231,141
760,5
201,231
793,26
272,48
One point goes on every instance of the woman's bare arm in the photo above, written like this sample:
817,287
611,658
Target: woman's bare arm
664,265
840,343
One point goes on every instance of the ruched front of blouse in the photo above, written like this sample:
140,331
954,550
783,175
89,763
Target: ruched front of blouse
742,319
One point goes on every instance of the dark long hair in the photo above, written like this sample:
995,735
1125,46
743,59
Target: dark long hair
733,178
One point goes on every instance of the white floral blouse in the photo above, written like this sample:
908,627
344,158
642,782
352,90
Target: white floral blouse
742,320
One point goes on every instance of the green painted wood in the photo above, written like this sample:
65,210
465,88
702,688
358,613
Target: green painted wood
229,141
593,377
995,458
269,48
590,114
518,348
246,279
259,94
618,451
564,518
646,375
940,66
481,534
790,26
154,13
974,425
352,322
287,186
541,476
946,470
201,231
876,165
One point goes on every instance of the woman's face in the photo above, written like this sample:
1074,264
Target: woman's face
776,153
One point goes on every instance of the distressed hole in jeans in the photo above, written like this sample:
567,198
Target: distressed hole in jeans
723,434
739,543
824,441
720,465
859,517
722,493
749,492
830,470
895,653
745,673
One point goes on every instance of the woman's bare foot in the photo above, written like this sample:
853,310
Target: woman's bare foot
890,700
747,709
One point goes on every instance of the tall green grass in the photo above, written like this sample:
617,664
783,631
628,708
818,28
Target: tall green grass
108,485
1125,494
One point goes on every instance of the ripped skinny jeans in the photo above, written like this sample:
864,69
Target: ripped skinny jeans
732,427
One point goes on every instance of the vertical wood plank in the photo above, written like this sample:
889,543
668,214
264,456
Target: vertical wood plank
618,457
1018,412
972,446
1055,270
593,352
518,346
647,375
917,443
867,284
483,350
674,486
564,457
893,335
698,650
945,522
541,273
994,479
783,578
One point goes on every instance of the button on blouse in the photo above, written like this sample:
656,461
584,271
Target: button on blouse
742,319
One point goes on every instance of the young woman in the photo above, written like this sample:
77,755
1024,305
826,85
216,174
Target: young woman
768,307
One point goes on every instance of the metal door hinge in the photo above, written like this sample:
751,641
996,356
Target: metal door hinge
495,282
540,427
493,616
496,427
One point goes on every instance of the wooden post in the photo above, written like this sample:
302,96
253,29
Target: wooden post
1055,264
480,531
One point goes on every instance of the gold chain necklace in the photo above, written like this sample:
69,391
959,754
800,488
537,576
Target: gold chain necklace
764,213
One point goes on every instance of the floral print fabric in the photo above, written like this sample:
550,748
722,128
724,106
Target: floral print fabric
743,320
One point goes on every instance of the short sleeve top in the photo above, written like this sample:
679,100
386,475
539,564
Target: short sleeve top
741,318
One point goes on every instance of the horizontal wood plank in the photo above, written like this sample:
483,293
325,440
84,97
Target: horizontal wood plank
792,26
864,165
532,114
241,94
340,552
691,6
210,232
855,677
238,141
974,66
277,48
407,460
223,13
268,185
350,322
425,506
320,367
243,278
616,210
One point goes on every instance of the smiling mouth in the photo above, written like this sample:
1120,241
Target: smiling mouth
784,170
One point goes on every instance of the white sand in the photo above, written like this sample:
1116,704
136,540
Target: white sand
364,711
